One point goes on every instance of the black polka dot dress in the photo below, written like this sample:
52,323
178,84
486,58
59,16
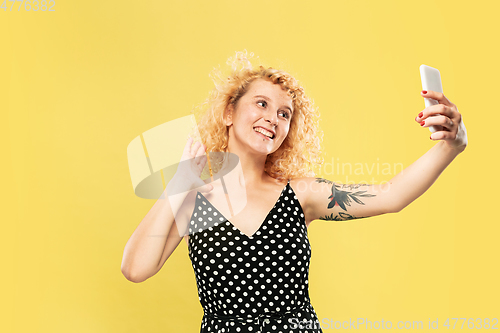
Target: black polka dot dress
255,283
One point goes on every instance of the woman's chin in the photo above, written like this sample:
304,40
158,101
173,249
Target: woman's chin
263,150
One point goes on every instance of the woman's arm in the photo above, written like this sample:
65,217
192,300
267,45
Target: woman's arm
322,199
418,177
413,181
153,241
163,227
326,200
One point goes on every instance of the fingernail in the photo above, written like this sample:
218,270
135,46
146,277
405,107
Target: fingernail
420,114
424,92
430,137
422,123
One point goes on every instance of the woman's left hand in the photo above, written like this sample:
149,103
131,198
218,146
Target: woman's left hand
446,119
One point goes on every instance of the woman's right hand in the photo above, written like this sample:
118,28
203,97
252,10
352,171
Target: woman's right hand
188,173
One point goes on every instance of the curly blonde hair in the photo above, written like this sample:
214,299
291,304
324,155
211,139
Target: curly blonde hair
300,152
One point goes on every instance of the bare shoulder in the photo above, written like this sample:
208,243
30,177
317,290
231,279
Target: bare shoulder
302,188
303,185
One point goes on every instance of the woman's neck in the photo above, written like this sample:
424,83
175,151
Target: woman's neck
246,169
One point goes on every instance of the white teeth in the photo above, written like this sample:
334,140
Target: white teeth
262,131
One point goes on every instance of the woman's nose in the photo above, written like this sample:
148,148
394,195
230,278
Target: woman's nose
271,118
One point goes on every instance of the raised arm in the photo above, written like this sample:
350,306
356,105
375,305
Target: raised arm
452,136
326,200
162,229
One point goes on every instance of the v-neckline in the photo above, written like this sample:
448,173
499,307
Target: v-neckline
261,224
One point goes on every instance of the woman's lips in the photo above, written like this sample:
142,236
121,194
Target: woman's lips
262,135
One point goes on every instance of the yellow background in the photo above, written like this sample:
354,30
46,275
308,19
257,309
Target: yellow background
78,84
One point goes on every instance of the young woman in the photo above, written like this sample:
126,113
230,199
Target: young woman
252,269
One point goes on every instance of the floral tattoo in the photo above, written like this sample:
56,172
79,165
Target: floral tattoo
342,199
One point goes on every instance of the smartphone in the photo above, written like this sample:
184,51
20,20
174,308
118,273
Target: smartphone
431,80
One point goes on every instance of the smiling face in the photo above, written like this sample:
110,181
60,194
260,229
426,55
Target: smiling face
261,118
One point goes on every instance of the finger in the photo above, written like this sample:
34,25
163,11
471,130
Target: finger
202,163
194,149
200,154
187,147
436,128
443,135
201,150
440,97
433,110
206,188
442,121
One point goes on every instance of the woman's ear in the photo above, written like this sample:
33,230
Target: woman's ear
228,115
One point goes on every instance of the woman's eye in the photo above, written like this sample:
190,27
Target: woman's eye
263,102
285,114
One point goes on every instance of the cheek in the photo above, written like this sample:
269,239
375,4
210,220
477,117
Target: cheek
285,132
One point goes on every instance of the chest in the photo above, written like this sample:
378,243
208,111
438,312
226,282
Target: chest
249,213
230,264
257,208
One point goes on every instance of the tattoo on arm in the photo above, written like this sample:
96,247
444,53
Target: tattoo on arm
341,216
323,180
342,199
353,186
342,186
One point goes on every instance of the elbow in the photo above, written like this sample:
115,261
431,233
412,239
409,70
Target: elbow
133,276
130,271
128,275
396,208
394,204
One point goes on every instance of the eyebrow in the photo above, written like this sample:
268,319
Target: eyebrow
268,99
